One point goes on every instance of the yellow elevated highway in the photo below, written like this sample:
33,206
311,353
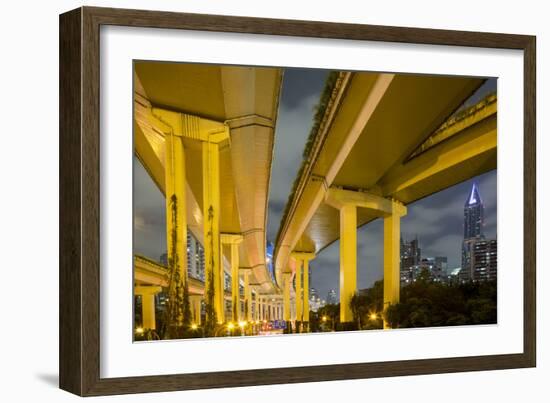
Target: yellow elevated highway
383,141
205,136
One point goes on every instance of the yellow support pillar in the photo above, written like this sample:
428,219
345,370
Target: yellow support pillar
176,224
286,295
306,291
211,211
147,305
196,308
256,315
302,260
211,133
348,260
247,293
233,240
298,276
347,202
392,234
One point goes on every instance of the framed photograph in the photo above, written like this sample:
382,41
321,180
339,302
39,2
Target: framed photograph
249,201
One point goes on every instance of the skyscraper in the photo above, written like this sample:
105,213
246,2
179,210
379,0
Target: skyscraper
479,256
485,260
473,215
473,231
331,297
410,260
410,253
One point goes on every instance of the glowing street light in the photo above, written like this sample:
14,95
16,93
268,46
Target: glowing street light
139,330
194,326
230,326
324,318
373,316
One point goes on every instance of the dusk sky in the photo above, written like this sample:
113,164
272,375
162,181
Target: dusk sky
437,220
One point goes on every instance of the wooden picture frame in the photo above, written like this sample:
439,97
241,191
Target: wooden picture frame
80,198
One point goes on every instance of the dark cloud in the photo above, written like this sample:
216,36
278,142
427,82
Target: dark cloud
300,94
300,84
149,215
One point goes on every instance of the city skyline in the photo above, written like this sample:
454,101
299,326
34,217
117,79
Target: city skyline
437,222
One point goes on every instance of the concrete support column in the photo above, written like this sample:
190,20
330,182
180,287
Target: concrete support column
233,240
347,202
302,298
195,301
211,134
287,276
392,259
306,291
247,293
211,212
298,289
255,306
147,305
348,260
176,224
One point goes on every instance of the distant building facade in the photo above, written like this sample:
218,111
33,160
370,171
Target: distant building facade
331,297
195,257
410,255
482,262
315,302
413,264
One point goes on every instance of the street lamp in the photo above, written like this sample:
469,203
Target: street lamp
242,325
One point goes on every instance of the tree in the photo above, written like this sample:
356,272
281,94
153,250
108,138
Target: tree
178,313
427,303
367,307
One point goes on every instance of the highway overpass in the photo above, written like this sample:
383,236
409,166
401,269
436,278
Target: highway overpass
204,133
382,141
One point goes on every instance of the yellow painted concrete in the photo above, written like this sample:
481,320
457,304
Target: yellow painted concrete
176,224
287,276
298,285
148,305
392,234
211,213
247,294
302,299
195,301
233,240
348,260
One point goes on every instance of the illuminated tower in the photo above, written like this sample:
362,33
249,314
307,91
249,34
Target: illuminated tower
473,232
473,215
